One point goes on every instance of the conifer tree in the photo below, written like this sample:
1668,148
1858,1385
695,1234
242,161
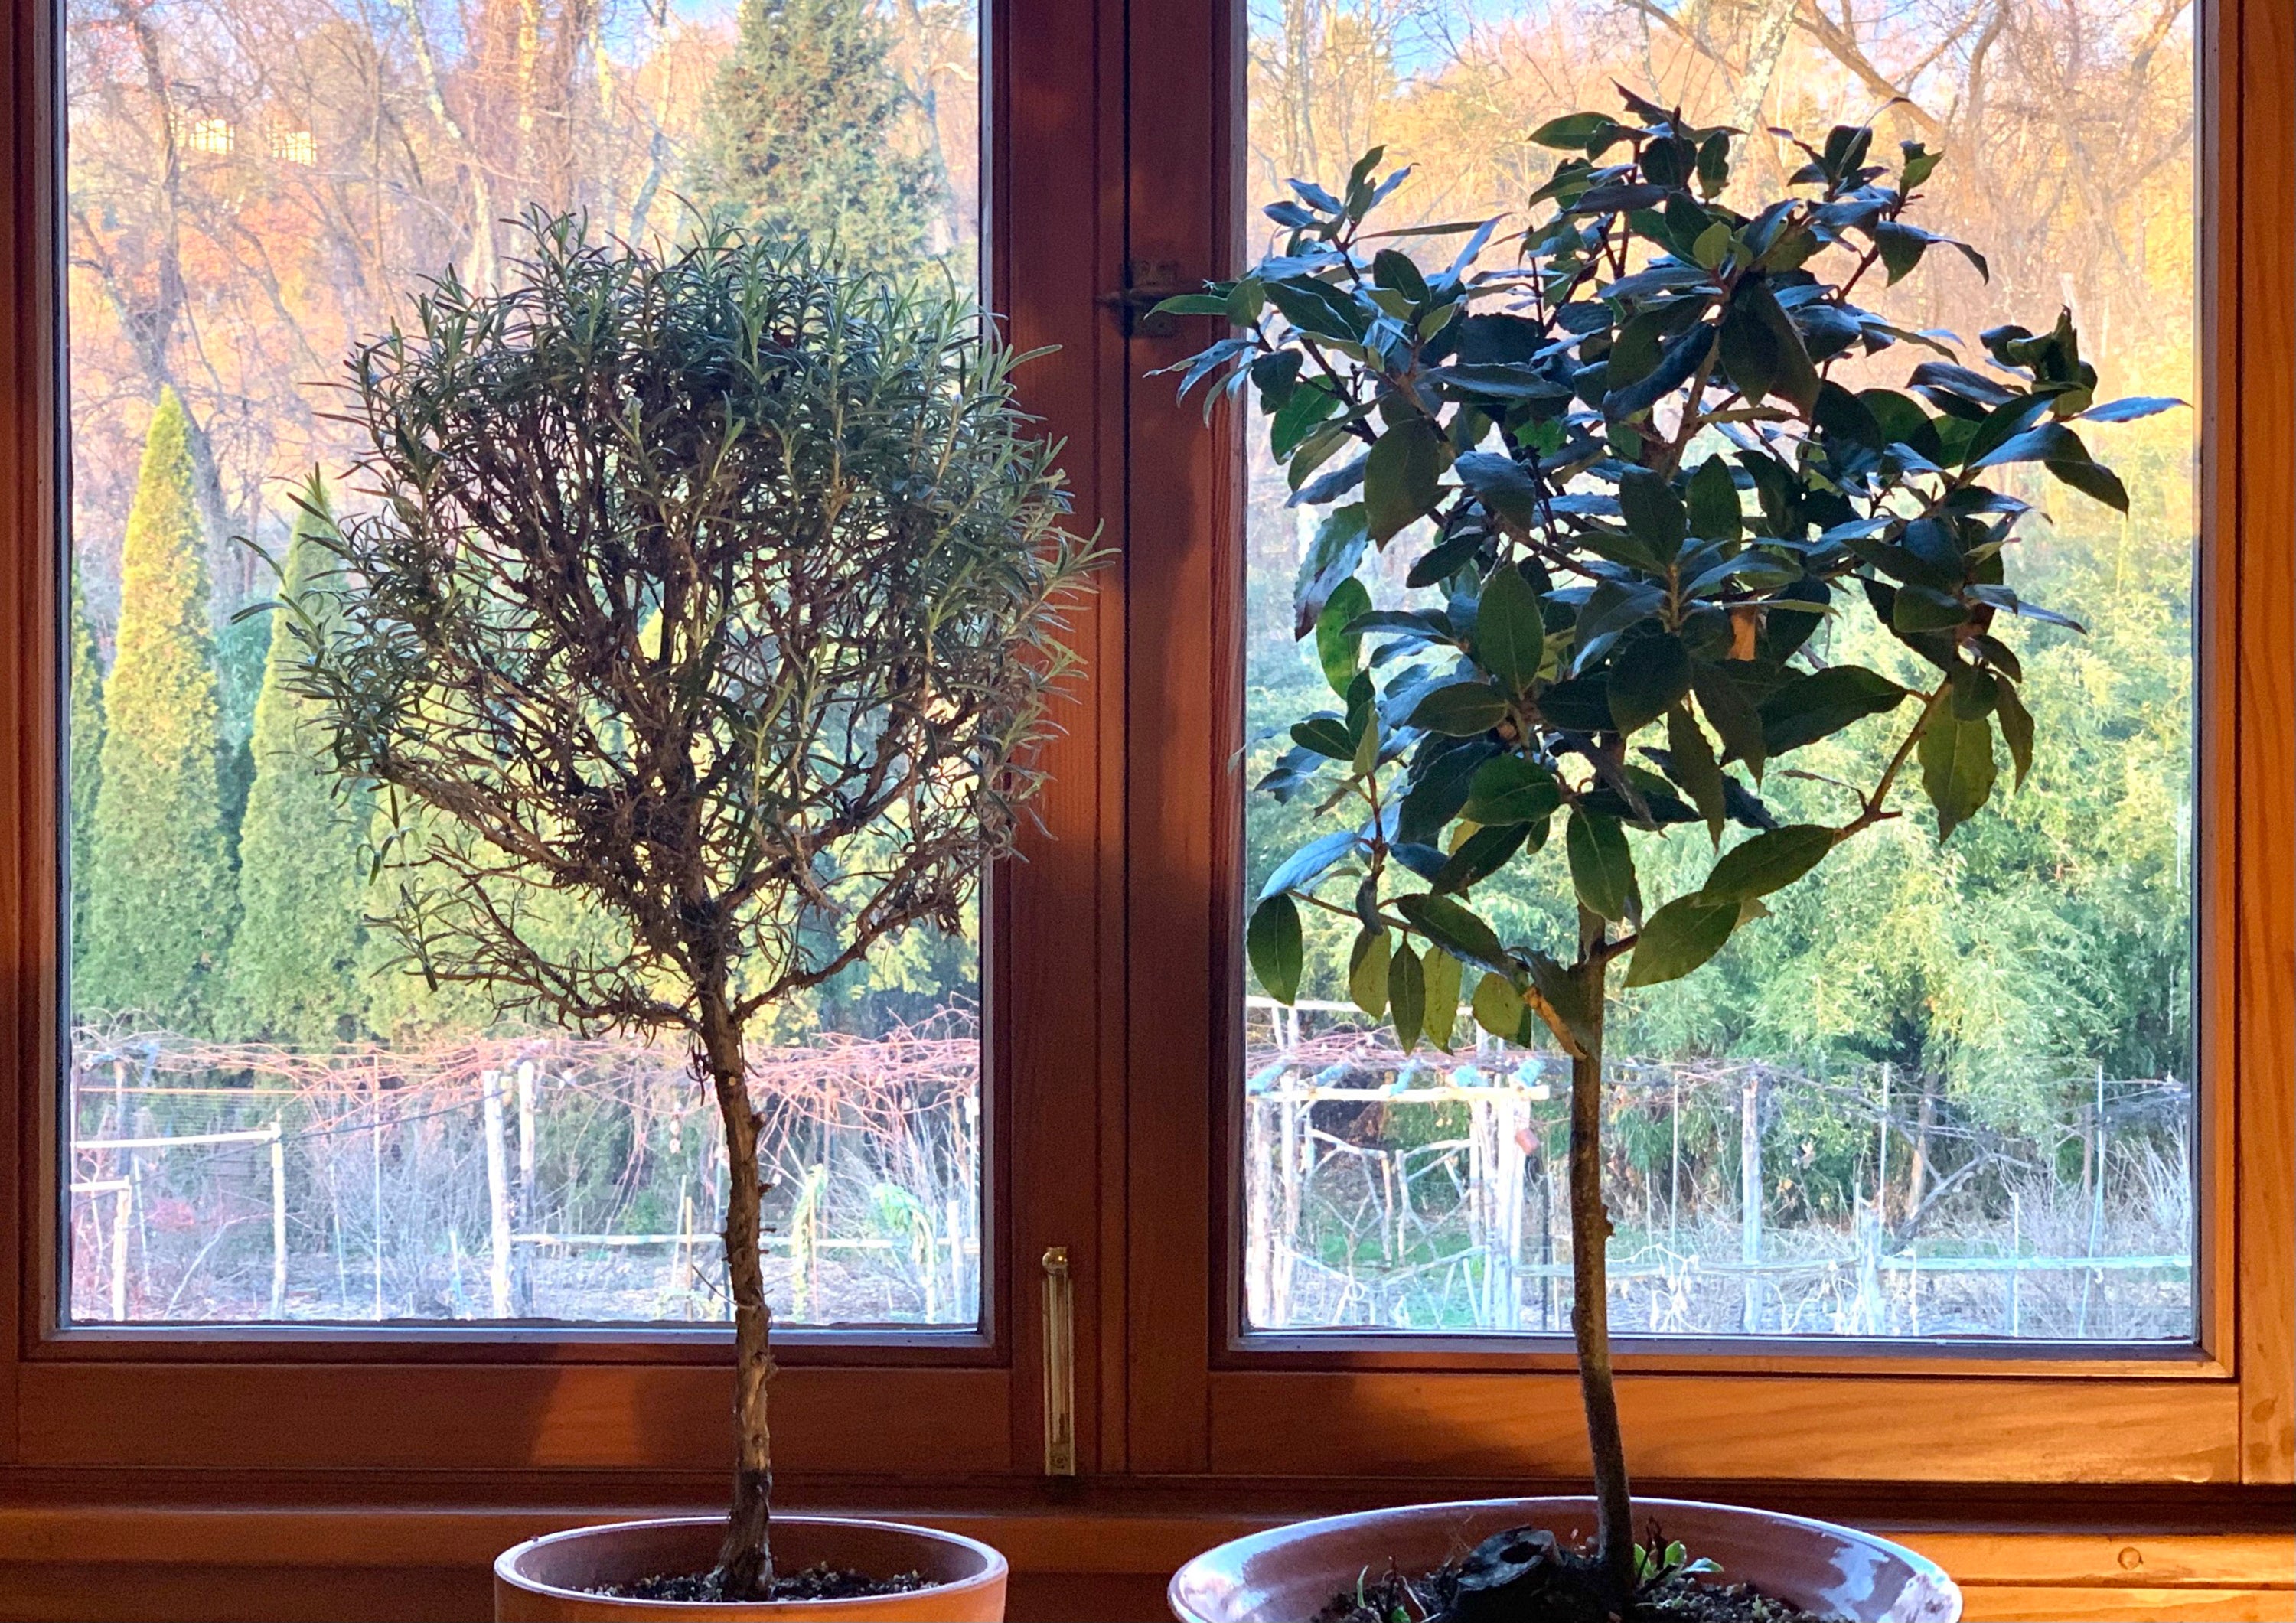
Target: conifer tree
159,894
806,133
86,753
299,873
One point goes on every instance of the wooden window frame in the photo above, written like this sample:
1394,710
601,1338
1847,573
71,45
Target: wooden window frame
958,1403
1209,1395
1114,970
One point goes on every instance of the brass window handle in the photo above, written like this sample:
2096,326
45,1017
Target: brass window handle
1059,1366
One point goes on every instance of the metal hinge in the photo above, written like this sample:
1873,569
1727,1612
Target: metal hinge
1059,1366
1147,283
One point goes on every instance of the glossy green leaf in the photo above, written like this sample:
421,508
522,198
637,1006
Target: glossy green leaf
1367,967
1768,862
1958,768
1821,703
2092,479
1455,928
1441,974
1407,995
1697,769
1403,478
1602,864
1274,943
1462,710
1482,854
1735,719
1508,788
1310,861
1510,635
1654,513
1679,936
1502,485
1499,1008
1337,550
1714,514
2016,726
1576,132
1649,673
1338,648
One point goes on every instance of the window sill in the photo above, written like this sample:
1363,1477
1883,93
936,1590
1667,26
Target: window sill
63,1560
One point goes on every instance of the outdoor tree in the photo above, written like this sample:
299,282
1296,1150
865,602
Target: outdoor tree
721,591
300,876
86,745
158,899
1641,496
810,132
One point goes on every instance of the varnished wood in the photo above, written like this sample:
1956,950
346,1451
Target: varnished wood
485,1397
2016,1604
571,1418
1183,585
29,663
1810,1428
1049,1541
297,1563
1053,1011
2215,1410
2263,280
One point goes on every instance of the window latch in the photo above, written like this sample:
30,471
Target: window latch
1147,283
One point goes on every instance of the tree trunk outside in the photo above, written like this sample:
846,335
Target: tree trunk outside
745,1559
1590,1310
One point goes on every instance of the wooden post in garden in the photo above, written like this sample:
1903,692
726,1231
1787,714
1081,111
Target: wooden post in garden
1512,1130
1750,1197
497,1192
2016,1256
521,1262
1280,1261
1258,1244
278,1223
2092,1278
122,1210
1869,1317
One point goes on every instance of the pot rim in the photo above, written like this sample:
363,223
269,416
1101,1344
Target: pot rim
994,1568
1922,1566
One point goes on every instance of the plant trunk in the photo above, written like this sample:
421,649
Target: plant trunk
1590,1307
745,1560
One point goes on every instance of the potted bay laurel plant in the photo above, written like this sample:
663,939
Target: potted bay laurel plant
694,624
1641,477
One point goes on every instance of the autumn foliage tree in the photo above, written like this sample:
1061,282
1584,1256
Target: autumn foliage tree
717,590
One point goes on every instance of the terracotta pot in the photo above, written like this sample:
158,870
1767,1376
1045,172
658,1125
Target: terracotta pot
548,1579
1287,1574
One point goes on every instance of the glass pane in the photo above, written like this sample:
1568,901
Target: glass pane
268,1120
1938,1094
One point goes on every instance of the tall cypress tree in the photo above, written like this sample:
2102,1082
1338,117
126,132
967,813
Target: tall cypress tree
86,755
299,874
805,133
160,893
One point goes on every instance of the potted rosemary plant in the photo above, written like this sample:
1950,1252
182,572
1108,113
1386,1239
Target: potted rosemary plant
717,591
1640,468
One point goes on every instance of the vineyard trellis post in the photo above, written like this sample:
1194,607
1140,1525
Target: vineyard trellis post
278,1221
1750,1197
522,1277
498,1229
